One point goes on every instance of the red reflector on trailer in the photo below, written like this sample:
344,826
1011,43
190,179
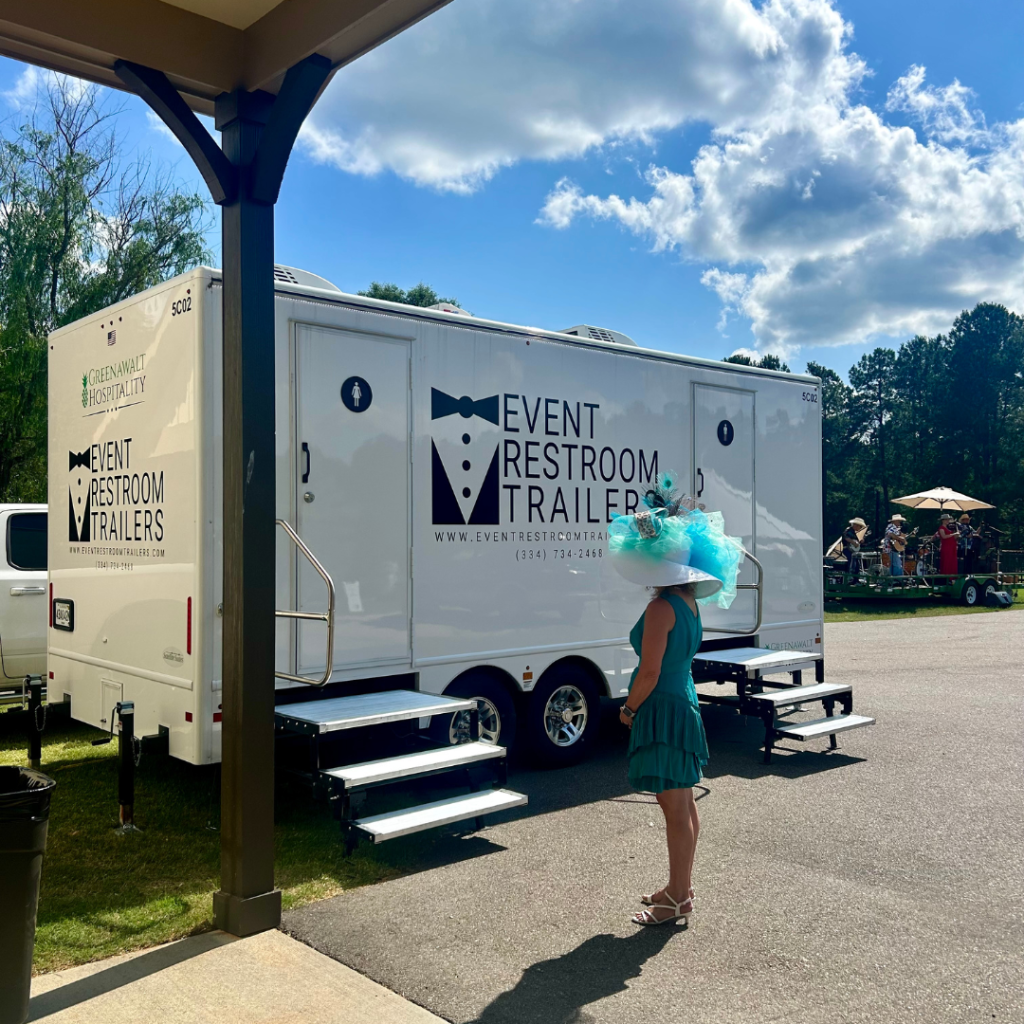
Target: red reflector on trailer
51,675
188,638
188,716
217,716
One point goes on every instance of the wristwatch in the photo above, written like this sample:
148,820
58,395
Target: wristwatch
628,711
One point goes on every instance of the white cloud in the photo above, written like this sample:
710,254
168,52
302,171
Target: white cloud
943,113
32,81
483,84
814,216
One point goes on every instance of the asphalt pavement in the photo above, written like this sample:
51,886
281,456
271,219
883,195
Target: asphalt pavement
883,882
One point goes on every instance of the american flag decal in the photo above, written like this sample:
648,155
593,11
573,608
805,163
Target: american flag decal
111,337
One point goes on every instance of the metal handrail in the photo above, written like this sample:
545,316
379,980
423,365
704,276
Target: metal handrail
327,616
759,587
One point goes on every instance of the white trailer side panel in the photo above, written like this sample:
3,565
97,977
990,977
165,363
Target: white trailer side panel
124,539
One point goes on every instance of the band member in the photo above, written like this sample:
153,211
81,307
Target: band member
894,543
852,536
947,536
969,544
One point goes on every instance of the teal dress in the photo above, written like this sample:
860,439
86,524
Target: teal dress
667,746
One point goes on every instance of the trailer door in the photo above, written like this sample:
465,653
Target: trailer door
723,471
352,475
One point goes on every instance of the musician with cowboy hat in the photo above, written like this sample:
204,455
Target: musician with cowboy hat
893,543
968,544
852,536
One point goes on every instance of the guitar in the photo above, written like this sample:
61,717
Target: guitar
899,540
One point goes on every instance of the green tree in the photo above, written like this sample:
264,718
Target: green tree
873,380
985,359
419,295
78,231
766,362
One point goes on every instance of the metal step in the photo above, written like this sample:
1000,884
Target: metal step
822,726
381,827
801,694
369,773
755,661
319,716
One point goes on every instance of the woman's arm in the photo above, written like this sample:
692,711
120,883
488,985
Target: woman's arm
658,622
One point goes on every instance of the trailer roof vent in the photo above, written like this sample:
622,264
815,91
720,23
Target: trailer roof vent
303,278
600,334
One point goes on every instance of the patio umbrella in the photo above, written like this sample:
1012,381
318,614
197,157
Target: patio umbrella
942,498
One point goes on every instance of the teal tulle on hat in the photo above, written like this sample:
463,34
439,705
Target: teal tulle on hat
672,544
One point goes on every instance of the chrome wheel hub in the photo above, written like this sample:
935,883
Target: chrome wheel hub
565,716
490,724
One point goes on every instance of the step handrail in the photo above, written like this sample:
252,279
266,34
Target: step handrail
327,616
759,588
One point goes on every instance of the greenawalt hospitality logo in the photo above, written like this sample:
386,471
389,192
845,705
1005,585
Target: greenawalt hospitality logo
115,385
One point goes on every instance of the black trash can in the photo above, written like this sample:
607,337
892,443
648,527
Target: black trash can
24,815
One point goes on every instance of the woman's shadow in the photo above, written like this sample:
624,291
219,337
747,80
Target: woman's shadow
555,991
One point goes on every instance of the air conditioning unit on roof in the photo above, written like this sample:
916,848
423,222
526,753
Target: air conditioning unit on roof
599,334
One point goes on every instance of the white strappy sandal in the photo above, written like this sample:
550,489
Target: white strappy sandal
648,900
681,910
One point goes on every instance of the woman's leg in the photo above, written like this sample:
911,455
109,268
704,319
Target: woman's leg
678,807
695,824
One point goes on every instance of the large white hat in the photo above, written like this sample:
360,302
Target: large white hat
657,549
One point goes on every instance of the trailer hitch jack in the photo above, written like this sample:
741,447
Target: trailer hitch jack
127,760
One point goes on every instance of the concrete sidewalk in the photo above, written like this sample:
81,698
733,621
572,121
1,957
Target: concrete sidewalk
265,979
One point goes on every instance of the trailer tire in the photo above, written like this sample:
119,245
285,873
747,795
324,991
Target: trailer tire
553,739
971,595
495,705
988,588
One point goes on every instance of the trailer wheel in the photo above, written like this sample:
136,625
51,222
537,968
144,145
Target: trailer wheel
988,588
495,707
563,717
972,594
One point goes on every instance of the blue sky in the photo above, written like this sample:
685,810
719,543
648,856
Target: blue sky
537,160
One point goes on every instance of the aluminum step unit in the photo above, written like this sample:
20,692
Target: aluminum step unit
381,827
749,667
477,766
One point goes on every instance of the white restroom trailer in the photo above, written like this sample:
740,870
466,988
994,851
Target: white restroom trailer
454,476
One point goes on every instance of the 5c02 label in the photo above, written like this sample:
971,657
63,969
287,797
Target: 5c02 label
181,306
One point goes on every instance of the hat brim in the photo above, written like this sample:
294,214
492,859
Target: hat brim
646,573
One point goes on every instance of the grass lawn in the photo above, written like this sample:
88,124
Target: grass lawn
861,611
104,893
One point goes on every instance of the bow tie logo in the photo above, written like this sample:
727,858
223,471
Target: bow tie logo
442,405
80,459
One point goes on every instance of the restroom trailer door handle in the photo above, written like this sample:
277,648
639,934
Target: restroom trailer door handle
305,474
700,475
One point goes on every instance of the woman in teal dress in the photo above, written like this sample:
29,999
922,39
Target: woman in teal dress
685,557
